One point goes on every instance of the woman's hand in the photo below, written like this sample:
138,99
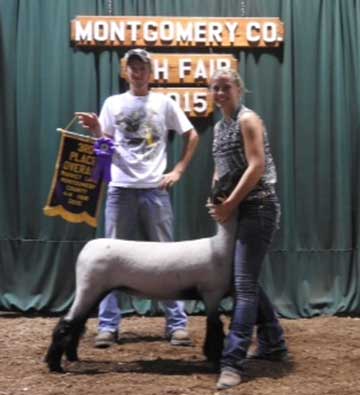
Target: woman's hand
220,212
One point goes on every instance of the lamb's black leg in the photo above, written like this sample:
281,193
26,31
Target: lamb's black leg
65,338
214,339
72,343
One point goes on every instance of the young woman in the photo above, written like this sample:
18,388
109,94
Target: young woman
241,151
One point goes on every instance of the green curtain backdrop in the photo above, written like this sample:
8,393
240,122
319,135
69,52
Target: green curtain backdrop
308,93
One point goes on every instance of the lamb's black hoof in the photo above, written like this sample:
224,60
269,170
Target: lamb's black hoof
54,364
213,367
213,351
71,356
215,360
55,369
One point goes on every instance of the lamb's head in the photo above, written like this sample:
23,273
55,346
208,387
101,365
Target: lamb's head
224,186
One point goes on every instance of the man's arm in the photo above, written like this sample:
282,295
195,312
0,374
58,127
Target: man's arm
191,141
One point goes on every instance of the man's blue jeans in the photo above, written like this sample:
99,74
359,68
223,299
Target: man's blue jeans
128,211
257,222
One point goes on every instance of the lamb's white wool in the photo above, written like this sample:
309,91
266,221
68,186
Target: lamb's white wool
161,270
156,270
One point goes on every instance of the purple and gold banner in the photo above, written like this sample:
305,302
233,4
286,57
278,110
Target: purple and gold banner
75,193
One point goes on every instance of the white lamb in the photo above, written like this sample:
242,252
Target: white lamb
194,269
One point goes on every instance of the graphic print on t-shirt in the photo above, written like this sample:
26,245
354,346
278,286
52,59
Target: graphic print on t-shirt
141,135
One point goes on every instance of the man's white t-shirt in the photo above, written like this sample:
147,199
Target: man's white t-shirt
139,126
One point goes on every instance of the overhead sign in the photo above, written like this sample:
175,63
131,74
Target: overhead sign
129,31
195,102
185,68
180,75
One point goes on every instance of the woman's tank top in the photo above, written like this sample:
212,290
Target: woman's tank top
230,160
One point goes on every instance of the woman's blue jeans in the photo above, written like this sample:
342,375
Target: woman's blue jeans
130,211
257,222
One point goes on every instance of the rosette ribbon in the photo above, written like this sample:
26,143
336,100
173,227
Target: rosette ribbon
103,149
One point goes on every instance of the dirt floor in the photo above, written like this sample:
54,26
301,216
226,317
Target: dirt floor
325,359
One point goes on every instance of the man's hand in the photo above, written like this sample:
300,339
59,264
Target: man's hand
89,121
170,179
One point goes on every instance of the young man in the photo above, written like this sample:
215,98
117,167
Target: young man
138,121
